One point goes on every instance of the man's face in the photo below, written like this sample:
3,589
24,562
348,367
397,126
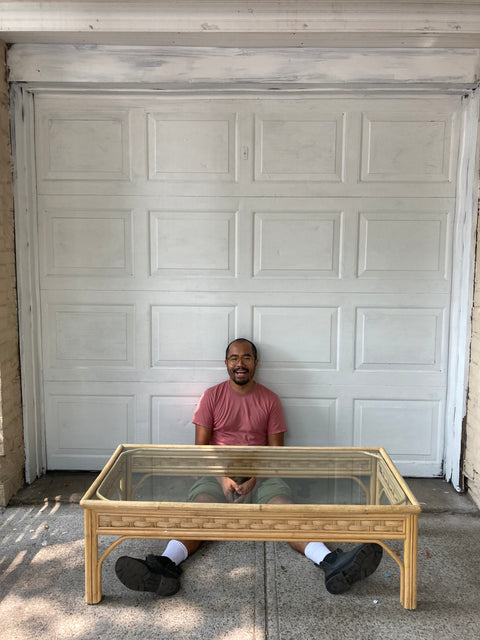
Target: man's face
241,363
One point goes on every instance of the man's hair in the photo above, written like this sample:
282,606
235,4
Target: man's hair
254,348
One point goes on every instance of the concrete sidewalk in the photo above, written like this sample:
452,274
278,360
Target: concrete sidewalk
231,590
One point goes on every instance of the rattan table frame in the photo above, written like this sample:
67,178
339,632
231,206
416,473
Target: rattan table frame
264,522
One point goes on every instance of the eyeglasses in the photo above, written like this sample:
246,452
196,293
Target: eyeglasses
236,359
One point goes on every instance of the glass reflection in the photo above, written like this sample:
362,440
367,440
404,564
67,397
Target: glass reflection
328,476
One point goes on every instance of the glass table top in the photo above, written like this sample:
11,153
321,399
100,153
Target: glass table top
343,476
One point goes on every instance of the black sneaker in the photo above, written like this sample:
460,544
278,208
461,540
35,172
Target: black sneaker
344,569
156,573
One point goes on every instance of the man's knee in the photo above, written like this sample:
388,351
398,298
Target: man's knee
274,491
204,497
280,499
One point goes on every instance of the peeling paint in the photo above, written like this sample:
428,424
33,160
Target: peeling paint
210,27
195,65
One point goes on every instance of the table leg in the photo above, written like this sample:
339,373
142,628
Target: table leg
408,595
93,577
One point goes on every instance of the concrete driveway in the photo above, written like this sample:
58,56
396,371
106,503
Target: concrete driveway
231,590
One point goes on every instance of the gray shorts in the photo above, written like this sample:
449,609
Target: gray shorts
264,490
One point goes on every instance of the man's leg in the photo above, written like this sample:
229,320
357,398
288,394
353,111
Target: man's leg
315,551
179,550
341,569
161,574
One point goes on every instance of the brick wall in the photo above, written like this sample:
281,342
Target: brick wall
12,455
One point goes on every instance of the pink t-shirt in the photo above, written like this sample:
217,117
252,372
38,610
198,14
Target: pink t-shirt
240,419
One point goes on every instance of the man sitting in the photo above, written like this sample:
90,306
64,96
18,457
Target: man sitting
240,412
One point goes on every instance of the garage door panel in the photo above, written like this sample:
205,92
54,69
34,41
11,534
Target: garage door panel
307,147
87,428
172,419
298,337
135,335
157,189
310,420
154,335
189,335
297,244
419,147
192,146
370,382
400,338
396,244
86,242
299,147
409,429
89,335
193,243
100,138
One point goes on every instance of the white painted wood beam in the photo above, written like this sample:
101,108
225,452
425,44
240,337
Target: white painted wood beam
170,67
244,22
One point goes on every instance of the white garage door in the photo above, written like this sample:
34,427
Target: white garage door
319,227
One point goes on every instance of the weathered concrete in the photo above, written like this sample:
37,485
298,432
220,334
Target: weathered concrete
231,590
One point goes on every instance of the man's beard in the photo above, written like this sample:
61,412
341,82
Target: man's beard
242,381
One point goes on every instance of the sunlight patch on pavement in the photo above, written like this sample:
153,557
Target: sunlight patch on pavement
16,562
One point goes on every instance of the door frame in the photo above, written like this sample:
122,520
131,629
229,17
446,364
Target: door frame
22,123
28,285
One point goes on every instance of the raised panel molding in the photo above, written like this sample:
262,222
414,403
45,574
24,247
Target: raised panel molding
193,243
297,337
396,424
192,147
102,421
87,335
307,148
172,419
297,244
86,242
101,140
403,244
419,148
186,336
402,339
310,420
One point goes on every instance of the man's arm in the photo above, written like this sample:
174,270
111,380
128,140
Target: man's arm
276,439
203,435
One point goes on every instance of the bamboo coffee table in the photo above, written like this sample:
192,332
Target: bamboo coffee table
342,494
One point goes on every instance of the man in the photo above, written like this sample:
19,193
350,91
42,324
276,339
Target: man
237,412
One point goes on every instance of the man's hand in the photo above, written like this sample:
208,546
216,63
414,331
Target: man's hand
230,487
245,490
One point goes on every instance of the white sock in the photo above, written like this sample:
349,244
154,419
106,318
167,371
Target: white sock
316,551
176,551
